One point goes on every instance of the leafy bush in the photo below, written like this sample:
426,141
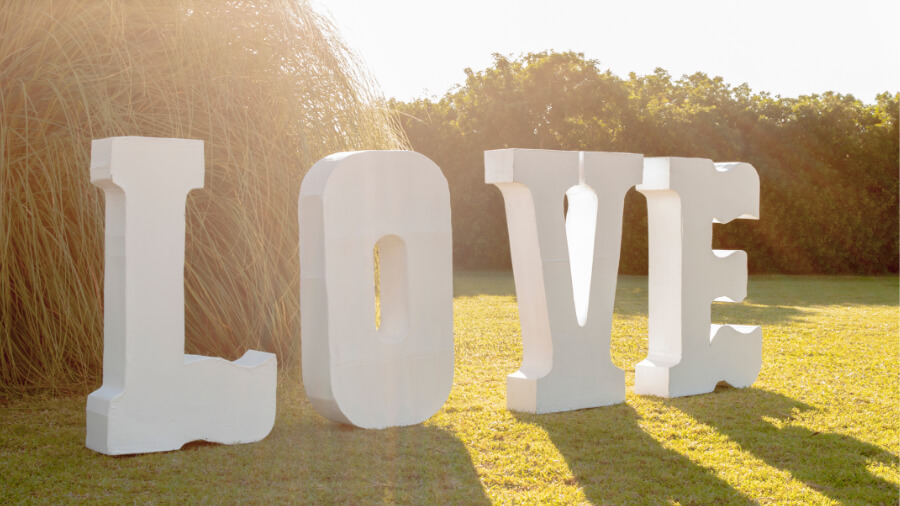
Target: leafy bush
828,164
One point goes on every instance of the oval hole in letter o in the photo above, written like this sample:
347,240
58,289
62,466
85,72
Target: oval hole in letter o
392,289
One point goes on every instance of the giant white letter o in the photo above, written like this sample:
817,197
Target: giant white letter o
399,373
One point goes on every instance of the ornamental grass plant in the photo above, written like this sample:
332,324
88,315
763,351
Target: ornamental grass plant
267,85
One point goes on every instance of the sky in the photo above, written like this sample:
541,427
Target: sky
419,48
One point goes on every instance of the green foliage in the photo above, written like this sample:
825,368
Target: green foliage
828,163
820,425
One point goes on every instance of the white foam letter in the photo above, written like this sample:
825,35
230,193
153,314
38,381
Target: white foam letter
565,270
401,372
687,355
154,397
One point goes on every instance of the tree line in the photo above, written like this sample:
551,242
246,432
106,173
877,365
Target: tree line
828,164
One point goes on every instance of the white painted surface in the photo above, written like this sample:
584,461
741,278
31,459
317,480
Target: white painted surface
687,355
565,271
154,397
354,373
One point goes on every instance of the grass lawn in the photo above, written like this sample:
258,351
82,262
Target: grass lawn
820,425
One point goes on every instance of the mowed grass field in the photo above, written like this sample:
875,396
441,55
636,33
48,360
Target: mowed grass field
819,426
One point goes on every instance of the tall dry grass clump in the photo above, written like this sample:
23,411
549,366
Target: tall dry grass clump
266,84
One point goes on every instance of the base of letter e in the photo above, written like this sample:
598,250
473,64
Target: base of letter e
400,372
155,397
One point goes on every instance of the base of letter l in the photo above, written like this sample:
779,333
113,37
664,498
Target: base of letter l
154,397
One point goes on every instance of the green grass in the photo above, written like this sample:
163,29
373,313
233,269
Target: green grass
819,426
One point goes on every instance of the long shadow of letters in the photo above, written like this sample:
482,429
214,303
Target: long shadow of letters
616,462
407,465
833,464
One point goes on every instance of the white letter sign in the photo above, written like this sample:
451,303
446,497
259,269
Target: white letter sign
687,355
154,397
354,372
565,267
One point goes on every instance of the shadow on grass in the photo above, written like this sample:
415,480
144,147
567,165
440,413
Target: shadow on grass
810,291
474,283
631,298
305,459
616,462
833,464
774,299
771,299
408,465
743,314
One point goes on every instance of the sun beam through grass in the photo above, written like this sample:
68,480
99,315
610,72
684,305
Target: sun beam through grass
266,84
